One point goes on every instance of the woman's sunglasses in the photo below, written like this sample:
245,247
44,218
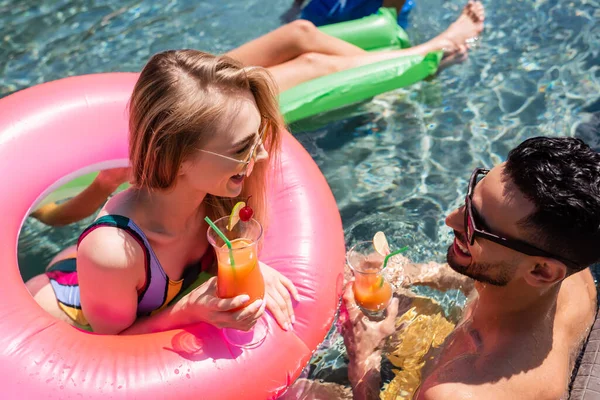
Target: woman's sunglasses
251,159
474,227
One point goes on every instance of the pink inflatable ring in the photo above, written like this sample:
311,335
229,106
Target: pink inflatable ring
60,129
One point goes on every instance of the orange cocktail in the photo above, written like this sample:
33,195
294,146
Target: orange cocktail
244,277
372,291
239,273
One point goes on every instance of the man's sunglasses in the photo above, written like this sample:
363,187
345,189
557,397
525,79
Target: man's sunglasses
474,227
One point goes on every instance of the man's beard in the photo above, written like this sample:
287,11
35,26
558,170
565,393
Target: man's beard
480,272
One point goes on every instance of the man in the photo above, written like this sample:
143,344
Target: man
526,235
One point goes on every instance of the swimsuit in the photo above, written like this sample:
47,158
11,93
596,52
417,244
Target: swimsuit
324,12
158,290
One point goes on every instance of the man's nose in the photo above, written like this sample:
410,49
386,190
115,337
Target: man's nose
456,219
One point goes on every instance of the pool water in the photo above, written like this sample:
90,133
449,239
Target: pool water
398,163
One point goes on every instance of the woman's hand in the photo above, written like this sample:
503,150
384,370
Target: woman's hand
277,294
203,305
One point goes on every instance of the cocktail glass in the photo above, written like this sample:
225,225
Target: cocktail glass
244,277
372,291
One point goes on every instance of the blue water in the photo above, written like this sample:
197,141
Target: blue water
398,163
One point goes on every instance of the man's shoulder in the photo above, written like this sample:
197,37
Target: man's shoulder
576,306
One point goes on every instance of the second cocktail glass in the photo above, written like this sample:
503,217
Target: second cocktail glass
372,291
244,277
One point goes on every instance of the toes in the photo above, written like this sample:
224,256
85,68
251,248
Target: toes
467,9
471,14
475,10
478,10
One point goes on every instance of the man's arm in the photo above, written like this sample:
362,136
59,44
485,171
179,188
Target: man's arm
365,379
441,277
364,340
435,275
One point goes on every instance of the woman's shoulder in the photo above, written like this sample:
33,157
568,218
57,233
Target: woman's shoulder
106,244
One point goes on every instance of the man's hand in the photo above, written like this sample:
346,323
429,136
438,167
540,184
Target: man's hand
363,336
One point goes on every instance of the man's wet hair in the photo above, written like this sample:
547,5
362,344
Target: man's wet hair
561,177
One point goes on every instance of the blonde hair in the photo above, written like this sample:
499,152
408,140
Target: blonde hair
180,99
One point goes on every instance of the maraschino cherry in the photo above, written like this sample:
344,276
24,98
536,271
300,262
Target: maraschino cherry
246,212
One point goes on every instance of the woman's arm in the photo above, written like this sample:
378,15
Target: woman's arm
110,268
85,203
202,305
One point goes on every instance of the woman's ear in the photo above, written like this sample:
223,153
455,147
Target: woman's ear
183,168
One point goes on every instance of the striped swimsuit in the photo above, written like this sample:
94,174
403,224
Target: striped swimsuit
158,290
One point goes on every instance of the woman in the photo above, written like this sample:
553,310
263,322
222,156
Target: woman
201,130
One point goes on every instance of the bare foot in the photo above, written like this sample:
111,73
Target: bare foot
467,27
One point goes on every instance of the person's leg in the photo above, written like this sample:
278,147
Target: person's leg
40,288
69,252
312,65
290,41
